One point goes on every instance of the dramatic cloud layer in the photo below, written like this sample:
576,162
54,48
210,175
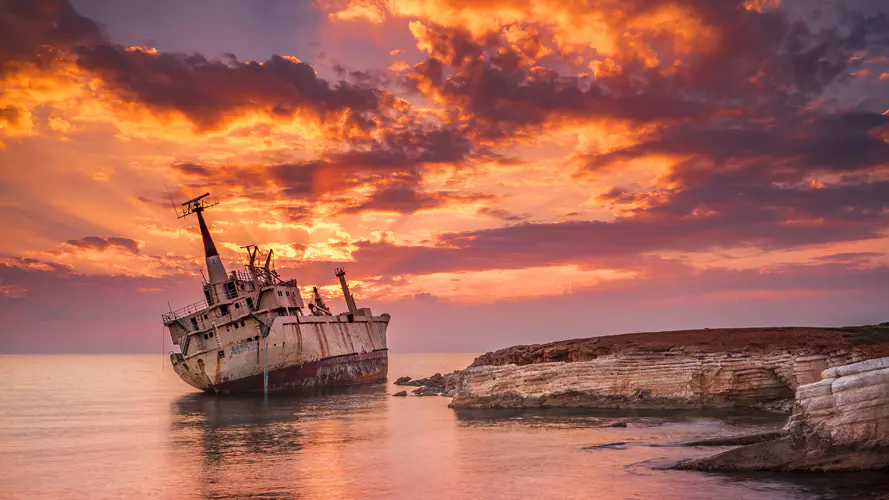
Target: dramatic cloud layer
473,158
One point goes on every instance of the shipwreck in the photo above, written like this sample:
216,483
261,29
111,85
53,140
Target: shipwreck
253,332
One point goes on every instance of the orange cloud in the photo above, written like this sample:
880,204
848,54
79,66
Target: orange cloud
610,29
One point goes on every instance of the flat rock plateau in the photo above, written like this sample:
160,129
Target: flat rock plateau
713,368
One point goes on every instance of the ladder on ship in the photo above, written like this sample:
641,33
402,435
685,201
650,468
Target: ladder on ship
185,346
187,337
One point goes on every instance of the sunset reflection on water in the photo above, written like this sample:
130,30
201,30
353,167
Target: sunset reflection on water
77,427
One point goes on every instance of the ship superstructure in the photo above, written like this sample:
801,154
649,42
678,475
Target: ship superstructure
254,332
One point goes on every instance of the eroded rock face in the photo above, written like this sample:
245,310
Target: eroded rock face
759,368
840,423
849,406
672,379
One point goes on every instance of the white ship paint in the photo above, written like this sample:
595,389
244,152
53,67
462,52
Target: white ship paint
253,321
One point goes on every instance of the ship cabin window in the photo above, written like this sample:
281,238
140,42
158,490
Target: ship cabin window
242,323
211,335
205,336
194,322
208,296
250,302
237,305
223,310
287,294
280,294
230,290
205,316
236,326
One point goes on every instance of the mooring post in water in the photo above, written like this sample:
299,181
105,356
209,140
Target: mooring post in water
265,370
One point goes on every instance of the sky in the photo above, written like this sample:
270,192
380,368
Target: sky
489,173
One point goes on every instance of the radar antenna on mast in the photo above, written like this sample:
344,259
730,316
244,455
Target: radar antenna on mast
196,205
214,264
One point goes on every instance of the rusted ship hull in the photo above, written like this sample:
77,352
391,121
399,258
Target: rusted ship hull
338,371
300,352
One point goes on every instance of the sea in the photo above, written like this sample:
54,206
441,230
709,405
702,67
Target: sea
120,426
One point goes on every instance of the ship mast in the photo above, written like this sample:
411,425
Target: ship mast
196,206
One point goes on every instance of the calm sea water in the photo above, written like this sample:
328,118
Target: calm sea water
120,427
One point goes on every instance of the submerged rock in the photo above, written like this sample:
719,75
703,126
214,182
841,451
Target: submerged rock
616,424
840,423
436,385
401,394
402,380
436,380
737,440
607,446
427,391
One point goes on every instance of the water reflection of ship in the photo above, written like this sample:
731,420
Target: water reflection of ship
224,429
202,410
251,448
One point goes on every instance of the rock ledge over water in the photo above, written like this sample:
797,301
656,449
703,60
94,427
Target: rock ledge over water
715,368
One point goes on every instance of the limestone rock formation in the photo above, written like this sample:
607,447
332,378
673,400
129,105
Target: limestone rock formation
753,367
838,423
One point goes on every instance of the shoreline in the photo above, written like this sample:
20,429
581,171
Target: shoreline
775,369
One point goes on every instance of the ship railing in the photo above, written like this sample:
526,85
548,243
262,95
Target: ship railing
242,275
185,311
263,278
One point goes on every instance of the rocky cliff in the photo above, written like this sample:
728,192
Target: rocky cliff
752,367
838,423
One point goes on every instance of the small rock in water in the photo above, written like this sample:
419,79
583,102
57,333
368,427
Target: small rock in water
402,380
436,379
401,394
617,424
608,446
427,391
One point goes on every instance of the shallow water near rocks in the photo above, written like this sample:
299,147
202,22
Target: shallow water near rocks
120,426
